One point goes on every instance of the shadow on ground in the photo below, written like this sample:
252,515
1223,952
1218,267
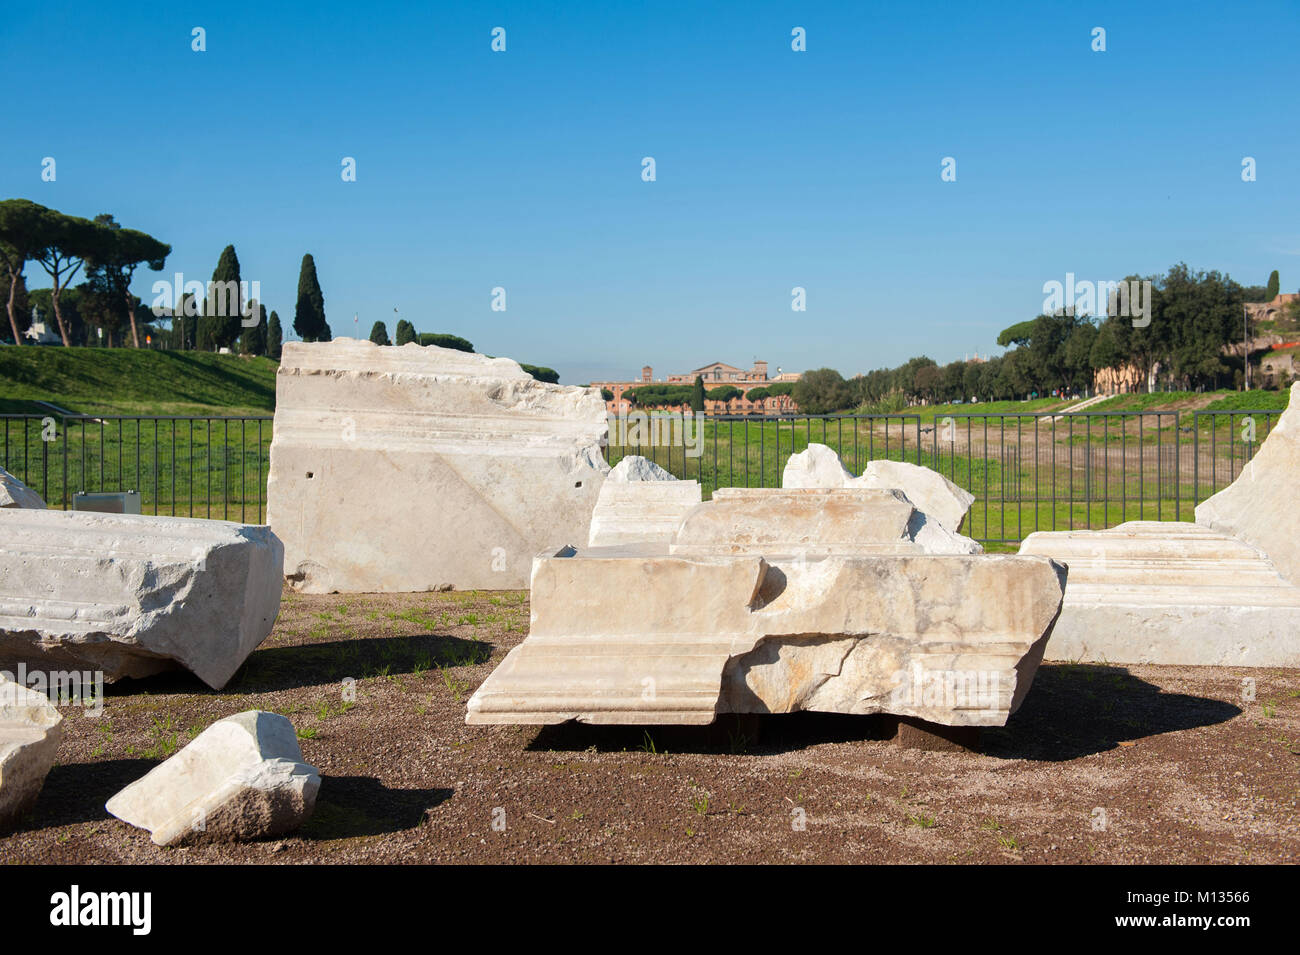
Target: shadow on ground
312,664
1076,710
1072,710
351,806
76,792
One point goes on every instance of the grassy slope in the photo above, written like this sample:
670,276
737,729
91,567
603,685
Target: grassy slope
131,381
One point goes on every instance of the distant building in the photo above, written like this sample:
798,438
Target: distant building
714,374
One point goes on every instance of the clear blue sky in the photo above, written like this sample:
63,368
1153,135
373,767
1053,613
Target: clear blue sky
775,169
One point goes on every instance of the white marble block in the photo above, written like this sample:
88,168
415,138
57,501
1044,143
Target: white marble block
134,595
423,468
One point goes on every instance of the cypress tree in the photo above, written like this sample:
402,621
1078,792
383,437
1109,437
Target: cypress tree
379,334
221,325
405,332
253,341
1274,286
274,337
697,395
309,313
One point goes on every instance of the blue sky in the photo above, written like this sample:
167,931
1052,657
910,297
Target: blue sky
775,169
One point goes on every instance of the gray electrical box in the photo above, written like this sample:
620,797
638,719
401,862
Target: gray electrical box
107,502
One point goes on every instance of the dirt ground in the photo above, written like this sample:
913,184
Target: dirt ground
1103,764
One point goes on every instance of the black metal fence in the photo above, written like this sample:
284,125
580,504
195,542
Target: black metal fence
184,466
1027,472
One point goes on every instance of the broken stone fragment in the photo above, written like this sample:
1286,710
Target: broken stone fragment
14,493
930,492
242,778
815,466
30,731
1261,506
640,502
631,638
420,468
132,595
635,468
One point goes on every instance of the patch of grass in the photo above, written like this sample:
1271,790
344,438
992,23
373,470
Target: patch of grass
921,821
138,381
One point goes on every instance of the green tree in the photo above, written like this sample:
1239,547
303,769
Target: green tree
17,304
22,239
445,341
697,395
111,265
723,393
541,373
379,334
254,339
405,332
64,243
1077,365
1274,286
309,312
274,337
820,391
220,323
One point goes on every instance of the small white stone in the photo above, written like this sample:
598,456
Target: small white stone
242,778
14,493
816,466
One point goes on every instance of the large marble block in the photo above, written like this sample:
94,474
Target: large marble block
654,639
1170,592
423,468
1224,591
133,595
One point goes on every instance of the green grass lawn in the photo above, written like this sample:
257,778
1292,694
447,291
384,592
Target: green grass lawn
134,381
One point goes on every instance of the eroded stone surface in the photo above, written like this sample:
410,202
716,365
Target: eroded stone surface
420,468
931,492
133,595
30,731
815,466
1170,592
242,778
678,639
634,467
813,522
640,502
940,500
1262,507
14,493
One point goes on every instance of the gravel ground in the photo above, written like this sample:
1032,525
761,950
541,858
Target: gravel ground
1103,764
